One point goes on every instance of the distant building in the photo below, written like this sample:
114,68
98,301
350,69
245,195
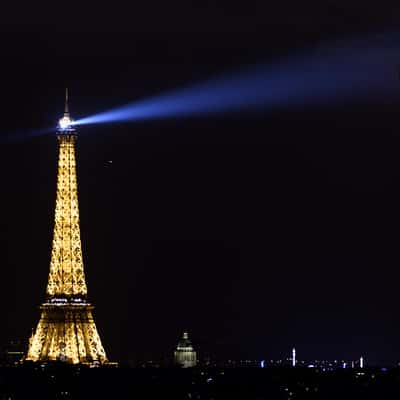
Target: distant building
13,353
293,357
185,356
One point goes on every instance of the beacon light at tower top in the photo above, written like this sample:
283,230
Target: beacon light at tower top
65,123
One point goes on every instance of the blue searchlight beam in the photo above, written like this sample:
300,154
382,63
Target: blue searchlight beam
327,74
23,135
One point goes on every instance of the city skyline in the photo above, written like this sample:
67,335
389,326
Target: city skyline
256,233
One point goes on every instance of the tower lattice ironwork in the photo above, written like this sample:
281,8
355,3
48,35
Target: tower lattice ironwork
66,330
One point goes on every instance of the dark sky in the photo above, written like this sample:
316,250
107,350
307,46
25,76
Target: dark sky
257,233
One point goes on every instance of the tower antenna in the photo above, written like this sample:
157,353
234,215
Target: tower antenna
66,110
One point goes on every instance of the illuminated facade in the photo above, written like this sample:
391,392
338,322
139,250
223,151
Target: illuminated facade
293,357
66,330
185,356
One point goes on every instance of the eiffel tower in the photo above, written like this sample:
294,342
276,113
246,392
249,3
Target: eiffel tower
66,330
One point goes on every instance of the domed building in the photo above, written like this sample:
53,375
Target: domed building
185,356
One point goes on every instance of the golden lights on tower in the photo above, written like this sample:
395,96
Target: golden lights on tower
66,330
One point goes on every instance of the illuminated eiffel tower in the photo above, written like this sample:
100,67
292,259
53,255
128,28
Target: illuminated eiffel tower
66,330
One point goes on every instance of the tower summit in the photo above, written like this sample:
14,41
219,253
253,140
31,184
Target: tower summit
66,330
65,124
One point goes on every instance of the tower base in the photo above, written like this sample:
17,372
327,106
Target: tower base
66,332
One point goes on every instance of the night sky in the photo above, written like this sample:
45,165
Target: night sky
256,233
